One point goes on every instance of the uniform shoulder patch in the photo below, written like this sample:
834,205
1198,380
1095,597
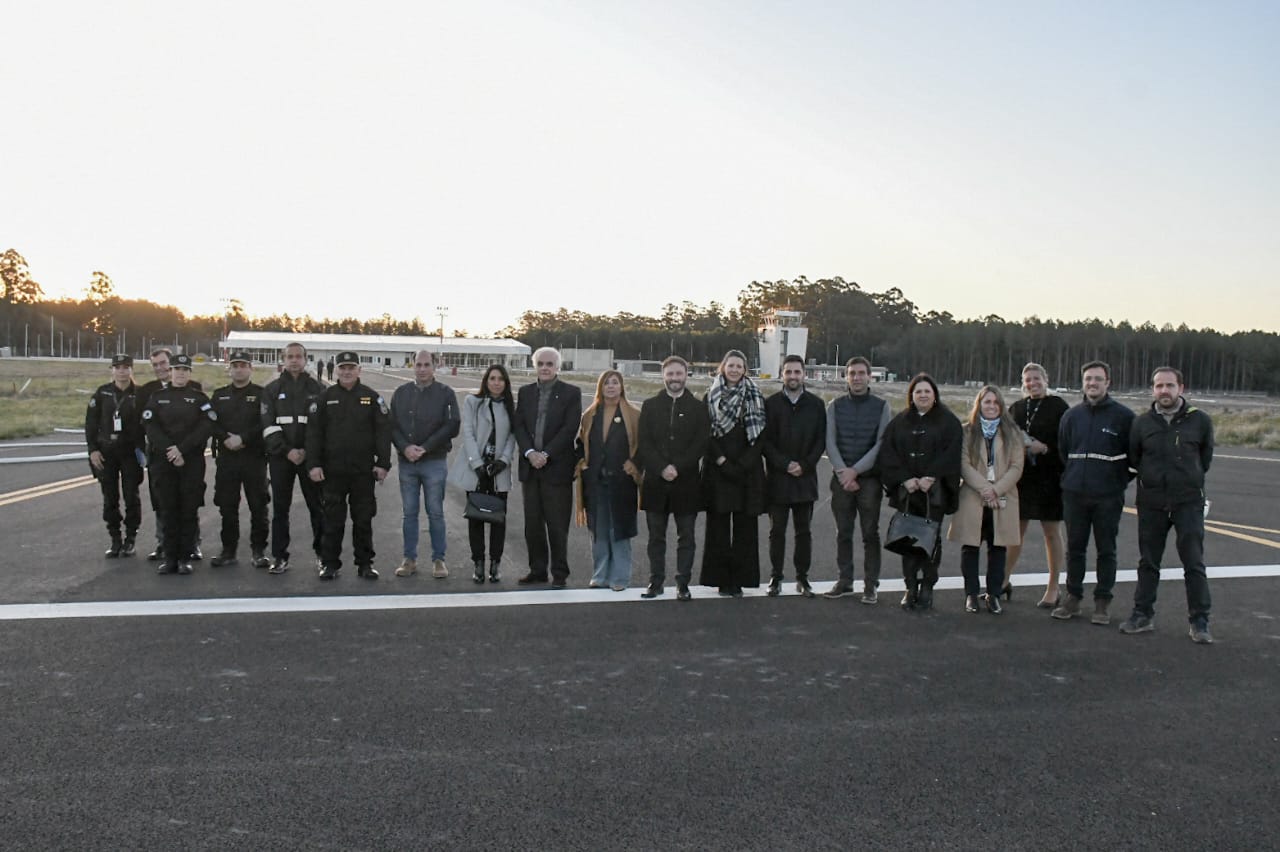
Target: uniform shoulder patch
382,405
93,402
146,415
315,406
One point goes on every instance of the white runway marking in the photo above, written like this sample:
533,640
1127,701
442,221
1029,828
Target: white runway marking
371,603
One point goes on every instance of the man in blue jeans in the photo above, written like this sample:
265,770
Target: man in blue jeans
424,420
1093,441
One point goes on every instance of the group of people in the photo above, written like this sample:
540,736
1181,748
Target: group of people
735,454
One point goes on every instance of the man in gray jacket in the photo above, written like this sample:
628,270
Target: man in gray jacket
424,420
855,424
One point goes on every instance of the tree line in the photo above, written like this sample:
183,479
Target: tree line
842,318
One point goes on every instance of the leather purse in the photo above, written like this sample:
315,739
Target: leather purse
488,508
910,533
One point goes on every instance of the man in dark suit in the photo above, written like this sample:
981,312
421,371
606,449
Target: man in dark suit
548,414
675,429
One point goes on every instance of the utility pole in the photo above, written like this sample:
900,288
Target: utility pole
442,310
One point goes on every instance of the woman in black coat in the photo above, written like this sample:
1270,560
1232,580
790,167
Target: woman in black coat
733,479
1038,414
608,479
920,467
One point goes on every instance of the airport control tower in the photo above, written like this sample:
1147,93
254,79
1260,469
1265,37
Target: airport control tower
782,334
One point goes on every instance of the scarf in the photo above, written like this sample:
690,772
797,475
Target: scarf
730,406
989,427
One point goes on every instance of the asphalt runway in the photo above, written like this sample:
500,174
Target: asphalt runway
756,723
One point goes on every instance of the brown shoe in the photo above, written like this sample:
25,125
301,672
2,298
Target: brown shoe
1100,614
408,568
439,570
1068,609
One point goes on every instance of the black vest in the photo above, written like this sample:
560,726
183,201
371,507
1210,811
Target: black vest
857,421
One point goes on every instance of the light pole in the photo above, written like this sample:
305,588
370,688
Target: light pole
441,311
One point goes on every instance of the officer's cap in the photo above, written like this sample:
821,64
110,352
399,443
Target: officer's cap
240,355
347,358
181,362
122,360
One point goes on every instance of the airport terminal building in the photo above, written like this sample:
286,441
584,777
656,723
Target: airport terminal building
383,350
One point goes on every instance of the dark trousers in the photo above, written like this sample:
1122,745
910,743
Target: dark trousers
685,546
861,507
497,535
802,515
548,506
1099,513
731,550
178,491
121,476
238,471
283,474
996,553
1153,531
339,491
920,570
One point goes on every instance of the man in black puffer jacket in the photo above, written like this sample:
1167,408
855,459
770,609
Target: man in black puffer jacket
1171,448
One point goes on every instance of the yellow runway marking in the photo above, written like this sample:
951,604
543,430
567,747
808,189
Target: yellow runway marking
43,490
1217,527
1243,537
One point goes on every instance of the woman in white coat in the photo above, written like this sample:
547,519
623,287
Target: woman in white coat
484,463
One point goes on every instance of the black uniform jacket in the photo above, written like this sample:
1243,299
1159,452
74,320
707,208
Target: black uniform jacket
675,432
107,403
286,408
349,431
239,412
180,417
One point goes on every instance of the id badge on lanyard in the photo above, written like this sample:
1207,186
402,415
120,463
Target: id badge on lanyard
117,424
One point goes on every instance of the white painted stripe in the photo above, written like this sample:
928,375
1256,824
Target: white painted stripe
82,455
45,444
466,600
1217,455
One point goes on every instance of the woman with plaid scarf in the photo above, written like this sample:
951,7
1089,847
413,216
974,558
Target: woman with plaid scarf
733,479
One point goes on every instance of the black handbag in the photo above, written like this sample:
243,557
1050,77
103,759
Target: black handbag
912,534
488,508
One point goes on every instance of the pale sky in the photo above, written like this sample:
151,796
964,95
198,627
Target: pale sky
1066,160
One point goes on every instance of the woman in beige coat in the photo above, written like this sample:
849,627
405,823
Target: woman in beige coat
990,466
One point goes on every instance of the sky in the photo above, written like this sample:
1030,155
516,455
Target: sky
1065,160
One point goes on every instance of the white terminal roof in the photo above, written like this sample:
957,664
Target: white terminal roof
368,343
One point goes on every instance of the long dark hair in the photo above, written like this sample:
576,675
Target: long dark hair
508,401
911,388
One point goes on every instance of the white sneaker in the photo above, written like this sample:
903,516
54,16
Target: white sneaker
439,570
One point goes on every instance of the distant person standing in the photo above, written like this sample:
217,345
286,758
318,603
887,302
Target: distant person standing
733,479
1093,443
674,432
286,411
795,434
1038,414
855,429
920,464
160,358
609,440
329,369
113,431
348,450
178,425
424,421
987,511
1171,448
484,463
242,462
548,414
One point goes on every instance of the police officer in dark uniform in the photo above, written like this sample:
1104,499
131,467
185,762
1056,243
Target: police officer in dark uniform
242,462
286,407
160,365
113,431
178,421
348,449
